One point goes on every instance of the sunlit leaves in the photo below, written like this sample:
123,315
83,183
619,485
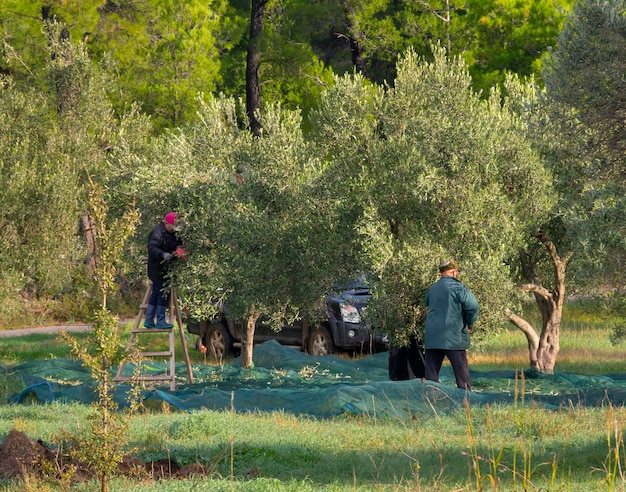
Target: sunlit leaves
442,173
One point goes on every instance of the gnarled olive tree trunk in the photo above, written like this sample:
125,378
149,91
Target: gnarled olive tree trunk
543,348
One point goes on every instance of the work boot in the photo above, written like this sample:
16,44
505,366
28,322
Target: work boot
161,321
150,313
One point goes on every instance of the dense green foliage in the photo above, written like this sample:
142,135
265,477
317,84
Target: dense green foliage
54,134
435,172
586,85
360,176
163,52
510,37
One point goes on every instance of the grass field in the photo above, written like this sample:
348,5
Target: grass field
517,447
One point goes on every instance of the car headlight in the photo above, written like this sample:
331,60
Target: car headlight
350,314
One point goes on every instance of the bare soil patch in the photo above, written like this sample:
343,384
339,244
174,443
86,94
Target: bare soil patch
22,458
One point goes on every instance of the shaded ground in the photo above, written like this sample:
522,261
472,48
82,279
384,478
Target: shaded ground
22,458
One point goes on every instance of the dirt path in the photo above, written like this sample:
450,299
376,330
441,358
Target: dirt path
52,329
43,330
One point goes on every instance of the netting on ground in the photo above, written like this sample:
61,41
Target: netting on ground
284,379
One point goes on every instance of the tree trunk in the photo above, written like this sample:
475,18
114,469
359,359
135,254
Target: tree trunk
89,231
253,61
543,349
247,342
358,61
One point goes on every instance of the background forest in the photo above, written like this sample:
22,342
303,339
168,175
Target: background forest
306,141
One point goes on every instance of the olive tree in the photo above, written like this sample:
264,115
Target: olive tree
249,226
56,128
391,182
39,204
586,91
583,137
577,124
437,173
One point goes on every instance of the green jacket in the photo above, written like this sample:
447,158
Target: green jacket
452,311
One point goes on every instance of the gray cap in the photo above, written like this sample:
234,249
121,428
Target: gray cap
446,265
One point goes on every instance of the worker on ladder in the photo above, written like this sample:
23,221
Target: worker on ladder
163,247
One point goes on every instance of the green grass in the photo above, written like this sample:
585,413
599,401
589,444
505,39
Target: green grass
517,447
585,347
541,449
39,346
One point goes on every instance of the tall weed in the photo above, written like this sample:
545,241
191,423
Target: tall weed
103,444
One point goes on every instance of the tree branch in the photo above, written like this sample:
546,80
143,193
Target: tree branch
434,12
549,245
537,289
529,331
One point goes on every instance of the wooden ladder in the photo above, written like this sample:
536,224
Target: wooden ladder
174,312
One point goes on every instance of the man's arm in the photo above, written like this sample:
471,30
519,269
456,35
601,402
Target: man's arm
470,308
154,245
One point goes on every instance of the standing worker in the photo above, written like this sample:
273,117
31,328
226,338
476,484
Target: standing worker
452,311
163,247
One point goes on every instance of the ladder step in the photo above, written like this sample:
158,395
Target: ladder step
151,330
139,328
156,354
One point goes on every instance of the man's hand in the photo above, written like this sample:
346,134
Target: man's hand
167,256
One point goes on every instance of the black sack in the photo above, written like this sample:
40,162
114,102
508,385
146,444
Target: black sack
407,362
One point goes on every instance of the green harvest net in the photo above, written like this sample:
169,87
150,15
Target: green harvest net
284,379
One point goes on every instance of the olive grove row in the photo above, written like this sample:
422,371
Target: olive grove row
519,187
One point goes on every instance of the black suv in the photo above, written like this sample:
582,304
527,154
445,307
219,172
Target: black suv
341,330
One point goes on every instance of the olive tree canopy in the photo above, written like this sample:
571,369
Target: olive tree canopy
437,173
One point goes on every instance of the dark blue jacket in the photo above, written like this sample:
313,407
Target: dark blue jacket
160,241
452,311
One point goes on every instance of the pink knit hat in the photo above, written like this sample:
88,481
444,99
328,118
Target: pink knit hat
170,218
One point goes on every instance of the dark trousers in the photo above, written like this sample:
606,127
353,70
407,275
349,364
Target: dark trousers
159,297
458,360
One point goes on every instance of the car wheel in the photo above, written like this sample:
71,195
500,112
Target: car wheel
321,341
218,340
